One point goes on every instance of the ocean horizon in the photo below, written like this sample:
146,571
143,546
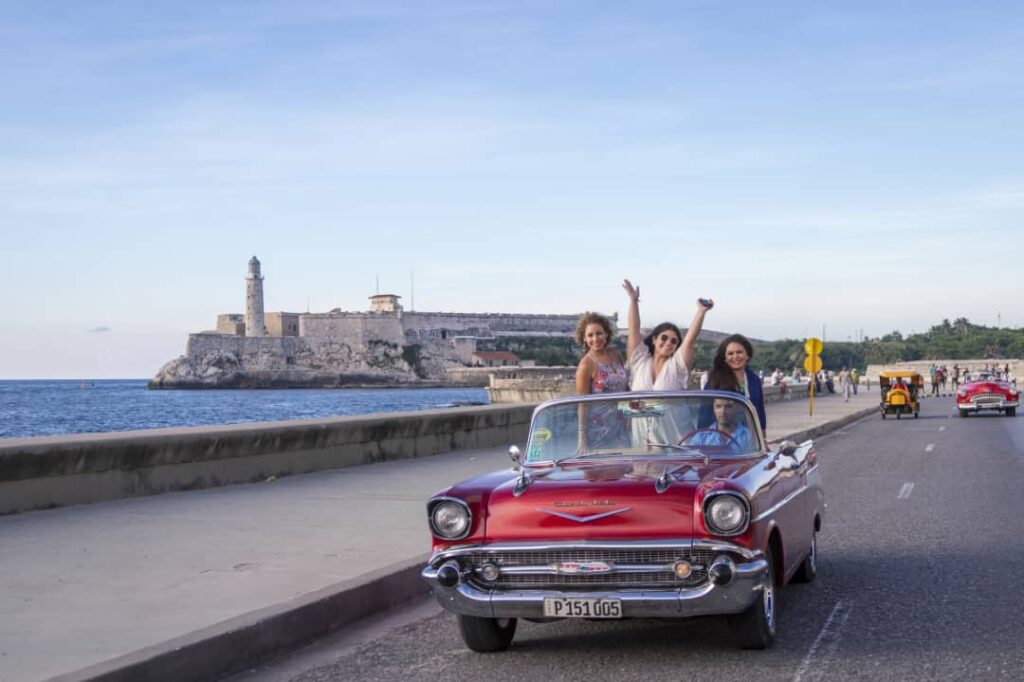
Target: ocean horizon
47,407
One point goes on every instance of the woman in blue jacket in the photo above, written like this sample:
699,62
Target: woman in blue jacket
729,372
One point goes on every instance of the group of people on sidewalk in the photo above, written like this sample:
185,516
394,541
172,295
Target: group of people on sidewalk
663,359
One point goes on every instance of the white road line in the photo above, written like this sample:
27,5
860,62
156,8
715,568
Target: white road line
929,447
905,491
829,636
942,428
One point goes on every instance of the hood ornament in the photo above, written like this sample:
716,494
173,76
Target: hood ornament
584,519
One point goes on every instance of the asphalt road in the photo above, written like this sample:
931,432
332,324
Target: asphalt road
921,577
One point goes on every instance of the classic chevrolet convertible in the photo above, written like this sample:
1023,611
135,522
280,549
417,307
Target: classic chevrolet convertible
661,504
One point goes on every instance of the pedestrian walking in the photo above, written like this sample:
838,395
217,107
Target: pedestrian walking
854,379
844,383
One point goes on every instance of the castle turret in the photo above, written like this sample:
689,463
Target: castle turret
254,323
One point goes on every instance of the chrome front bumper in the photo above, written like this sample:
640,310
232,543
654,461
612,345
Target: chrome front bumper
737,595
992,405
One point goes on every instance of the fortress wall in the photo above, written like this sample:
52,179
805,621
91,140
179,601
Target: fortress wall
354,329
231,323
282,324
55,471
242,346
493,322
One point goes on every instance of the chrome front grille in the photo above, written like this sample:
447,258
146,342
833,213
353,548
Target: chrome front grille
987,399
632,568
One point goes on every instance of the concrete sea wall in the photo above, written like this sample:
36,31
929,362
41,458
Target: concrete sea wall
921,367
55,471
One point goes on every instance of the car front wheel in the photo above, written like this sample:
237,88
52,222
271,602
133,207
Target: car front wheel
486,635
1011,411
808,570
755,627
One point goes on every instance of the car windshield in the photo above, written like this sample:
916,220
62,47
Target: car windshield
696,424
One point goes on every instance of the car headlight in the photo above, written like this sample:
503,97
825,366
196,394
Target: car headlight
962,393
449,519
726,514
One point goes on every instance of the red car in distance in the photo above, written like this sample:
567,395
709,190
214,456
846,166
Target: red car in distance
634,505
987,393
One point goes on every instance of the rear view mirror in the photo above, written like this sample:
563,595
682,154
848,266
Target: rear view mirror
516,455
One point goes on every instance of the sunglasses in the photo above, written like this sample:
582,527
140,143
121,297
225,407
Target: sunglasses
669,338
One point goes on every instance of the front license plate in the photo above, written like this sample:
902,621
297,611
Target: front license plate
580,607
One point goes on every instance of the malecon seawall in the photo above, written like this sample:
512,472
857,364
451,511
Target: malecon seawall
56,471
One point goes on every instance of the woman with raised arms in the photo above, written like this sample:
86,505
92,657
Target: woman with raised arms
662,361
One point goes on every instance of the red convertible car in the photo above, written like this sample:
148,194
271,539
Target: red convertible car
987,393
634,505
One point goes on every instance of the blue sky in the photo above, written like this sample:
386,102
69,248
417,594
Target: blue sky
853,165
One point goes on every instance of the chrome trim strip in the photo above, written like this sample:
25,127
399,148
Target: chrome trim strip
585,519
683,545
788,498
552,569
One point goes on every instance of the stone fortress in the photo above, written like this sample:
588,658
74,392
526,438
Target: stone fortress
385,345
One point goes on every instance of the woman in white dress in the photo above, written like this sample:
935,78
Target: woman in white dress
662,361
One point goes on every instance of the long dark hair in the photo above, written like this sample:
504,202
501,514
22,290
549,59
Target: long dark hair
664,326
720,375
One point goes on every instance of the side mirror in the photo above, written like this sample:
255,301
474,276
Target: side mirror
516,455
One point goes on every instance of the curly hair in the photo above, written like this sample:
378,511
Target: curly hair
720,375
588,318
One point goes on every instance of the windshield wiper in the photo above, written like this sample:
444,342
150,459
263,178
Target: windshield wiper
686,449
588,455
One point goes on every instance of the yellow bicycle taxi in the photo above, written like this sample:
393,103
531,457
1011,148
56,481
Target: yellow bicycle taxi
900,393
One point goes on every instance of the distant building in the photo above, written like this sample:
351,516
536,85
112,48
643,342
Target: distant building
495,358
385,303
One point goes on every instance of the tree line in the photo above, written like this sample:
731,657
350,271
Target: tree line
956,340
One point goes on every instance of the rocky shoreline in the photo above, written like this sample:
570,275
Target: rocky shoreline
219,362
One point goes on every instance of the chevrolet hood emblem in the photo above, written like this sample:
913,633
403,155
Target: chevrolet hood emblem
584,519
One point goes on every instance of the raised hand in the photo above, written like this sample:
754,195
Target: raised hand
632,291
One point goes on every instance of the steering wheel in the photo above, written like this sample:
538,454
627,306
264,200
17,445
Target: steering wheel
729,440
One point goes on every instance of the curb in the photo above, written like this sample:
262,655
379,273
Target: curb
239,643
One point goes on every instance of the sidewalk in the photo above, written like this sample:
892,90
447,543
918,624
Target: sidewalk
154,580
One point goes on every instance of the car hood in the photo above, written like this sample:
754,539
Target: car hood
987,387
600,501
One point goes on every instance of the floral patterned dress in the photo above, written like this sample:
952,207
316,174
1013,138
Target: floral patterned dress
606,427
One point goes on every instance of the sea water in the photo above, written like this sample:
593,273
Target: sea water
41,408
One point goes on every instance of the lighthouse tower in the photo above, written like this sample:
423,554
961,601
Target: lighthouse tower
254,324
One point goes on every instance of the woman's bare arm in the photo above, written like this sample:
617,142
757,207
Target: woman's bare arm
689,349
634,339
